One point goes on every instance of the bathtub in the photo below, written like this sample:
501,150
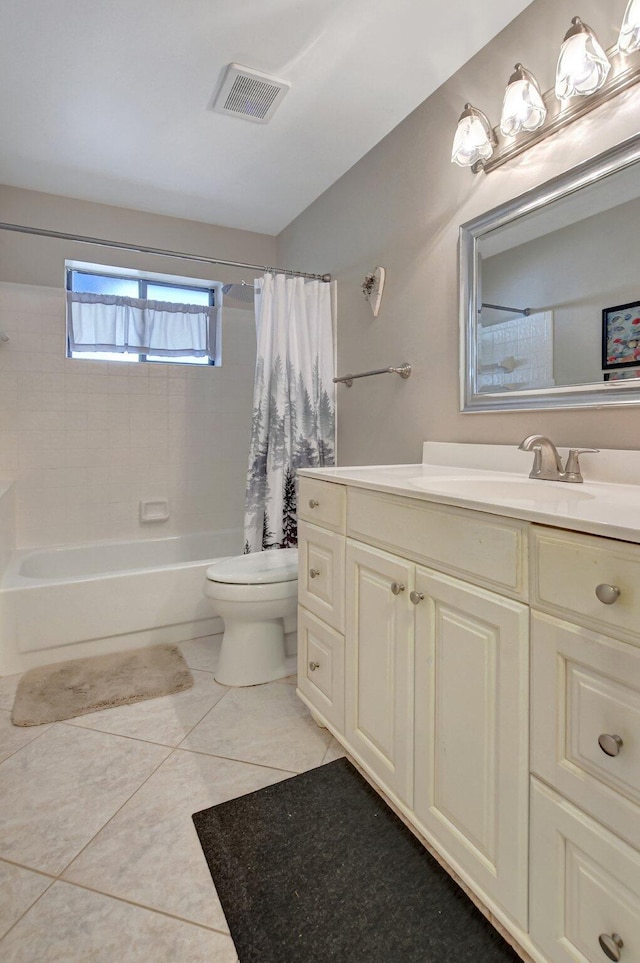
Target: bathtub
60,603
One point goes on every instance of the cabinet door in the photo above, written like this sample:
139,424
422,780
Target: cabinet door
379,666
471,753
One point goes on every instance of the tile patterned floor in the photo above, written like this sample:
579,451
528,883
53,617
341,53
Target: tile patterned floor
99,861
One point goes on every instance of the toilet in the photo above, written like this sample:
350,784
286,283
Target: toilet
256,595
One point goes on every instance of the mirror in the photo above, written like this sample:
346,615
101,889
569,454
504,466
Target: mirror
550,292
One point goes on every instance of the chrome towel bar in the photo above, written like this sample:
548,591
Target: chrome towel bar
404,370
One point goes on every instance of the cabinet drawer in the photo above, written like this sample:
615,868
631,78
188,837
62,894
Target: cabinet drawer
321,573
567,567
322,503
584,687
321,667
472,545
585,884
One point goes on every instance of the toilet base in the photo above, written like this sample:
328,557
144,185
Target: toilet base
252,653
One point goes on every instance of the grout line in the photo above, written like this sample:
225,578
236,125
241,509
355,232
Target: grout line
28,743
113,815
242,762
144,906
28,909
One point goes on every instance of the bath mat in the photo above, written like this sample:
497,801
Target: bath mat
51,693
318,869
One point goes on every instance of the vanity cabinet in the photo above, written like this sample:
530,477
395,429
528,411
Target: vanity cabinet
434,671
484,672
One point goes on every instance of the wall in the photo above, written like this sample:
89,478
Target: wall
86,441
401,206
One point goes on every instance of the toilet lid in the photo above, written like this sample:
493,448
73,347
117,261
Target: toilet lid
277,565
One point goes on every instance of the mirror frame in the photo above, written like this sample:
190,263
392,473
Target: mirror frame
569,396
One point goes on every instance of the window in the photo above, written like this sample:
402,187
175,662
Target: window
135,317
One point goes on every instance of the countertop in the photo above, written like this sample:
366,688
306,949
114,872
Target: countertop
595,507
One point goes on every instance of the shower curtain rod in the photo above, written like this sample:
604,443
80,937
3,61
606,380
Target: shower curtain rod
142,249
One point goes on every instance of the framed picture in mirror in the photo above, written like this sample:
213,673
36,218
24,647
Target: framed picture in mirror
621,336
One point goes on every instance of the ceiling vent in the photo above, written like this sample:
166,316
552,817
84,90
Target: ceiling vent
249,94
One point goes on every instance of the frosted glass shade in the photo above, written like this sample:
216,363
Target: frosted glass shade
582,65
629,39
523,107
474,140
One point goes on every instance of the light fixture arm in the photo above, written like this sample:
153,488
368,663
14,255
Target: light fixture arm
625,72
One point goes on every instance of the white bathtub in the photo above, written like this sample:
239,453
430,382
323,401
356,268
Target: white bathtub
59,603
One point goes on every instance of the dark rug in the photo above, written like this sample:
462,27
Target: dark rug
317,869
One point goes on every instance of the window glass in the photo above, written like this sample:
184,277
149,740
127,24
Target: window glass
143,288
103,284
167,292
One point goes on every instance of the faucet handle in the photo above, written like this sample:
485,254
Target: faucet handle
572,468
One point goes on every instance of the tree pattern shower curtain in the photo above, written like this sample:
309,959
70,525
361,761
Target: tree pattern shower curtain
293,404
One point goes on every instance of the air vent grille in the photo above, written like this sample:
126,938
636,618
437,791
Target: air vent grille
249,94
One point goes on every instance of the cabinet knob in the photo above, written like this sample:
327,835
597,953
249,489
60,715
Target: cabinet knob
396,588
416,597
611,945
314,572
608,593
313,503
611,745
314,665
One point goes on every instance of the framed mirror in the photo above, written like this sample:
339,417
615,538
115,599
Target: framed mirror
550,292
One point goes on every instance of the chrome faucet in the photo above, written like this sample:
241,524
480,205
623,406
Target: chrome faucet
547,464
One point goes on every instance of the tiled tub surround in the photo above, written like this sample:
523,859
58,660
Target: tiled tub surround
63,603
97,827
86,441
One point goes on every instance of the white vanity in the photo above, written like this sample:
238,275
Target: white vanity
451,639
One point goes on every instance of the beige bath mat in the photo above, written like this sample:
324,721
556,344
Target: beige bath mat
55,692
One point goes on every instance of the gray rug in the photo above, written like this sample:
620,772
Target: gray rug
318,869
51,693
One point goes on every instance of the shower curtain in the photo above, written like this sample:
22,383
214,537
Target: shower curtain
293,403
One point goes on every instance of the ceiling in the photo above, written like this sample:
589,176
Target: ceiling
107,101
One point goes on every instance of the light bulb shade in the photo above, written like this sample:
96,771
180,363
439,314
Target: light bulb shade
582,65
474,139
523,107
629,39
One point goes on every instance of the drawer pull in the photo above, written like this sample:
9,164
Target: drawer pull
314,665
611,945
396,588
416,597
608,593
611,745
314,572
313,503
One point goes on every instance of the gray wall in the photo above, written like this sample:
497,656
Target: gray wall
401,206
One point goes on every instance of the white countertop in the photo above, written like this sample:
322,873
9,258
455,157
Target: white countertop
595,507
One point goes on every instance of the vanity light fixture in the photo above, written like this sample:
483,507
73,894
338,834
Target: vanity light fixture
474,141
523,107
583,65
629,39
586,77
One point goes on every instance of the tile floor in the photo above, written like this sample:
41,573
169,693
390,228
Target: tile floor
99,860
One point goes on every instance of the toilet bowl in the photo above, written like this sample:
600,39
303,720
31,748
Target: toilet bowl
254,594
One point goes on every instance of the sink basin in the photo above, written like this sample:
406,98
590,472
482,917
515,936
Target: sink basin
500,489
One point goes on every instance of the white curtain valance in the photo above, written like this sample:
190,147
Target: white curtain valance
107,322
